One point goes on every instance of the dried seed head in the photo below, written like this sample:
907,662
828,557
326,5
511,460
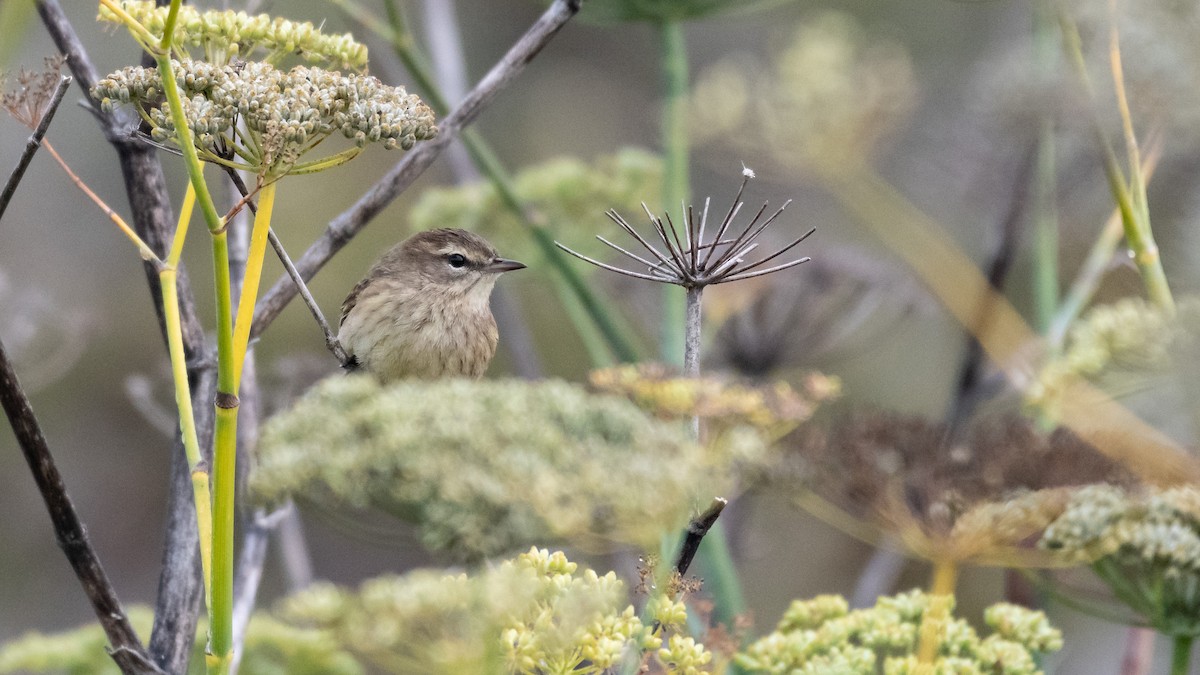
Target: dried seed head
687,259
28,100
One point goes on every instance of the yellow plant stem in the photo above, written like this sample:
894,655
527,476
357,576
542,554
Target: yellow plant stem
961,287
201,490
250,282
945,576
187,424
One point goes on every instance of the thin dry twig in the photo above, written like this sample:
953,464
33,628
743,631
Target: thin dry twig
331,342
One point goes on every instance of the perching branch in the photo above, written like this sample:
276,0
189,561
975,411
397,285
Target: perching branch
346,225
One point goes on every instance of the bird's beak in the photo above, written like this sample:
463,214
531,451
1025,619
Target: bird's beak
499,265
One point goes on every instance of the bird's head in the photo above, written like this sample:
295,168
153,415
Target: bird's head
456,261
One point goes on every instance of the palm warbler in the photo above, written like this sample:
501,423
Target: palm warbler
422,311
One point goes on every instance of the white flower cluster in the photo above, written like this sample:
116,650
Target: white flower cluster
285,113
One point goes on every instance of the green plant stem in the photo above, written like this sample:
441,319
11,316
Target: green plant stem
1045,218
1181,654
675,171
225,464
225,429
1091,272
613,330
593,343
1086,282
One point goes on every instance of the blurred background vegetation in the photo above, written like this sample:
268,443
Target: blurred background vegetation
942,99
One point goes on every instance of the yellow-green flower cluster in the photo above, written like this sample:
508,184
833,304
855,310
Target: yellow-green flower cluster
828,99
271,647
822,636
653,387
488,466
569,196
536,614
286,113
1130,337
222,36
1145,546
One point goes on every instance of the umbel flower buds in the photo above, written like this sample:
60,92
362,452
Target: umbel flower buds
226,35
284,113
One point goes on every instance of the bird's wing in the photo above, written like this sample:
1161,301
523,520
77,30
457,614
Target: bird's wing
352,299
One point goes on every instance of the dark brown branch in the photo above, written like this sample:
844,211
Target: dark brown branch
145,185
347,224
696,529
127,649
969,389
34,142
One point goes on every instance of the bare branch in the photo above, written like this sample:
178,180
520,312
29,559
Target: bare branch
331,342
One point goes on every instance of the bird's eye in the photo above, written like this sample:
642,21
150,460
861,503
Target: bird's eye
456,259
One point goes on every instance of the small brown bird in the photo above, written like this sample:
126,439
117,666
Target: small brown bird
422,310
